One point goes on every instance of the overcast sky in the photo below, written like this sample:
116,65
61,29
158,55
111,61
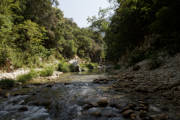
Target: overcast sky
79,10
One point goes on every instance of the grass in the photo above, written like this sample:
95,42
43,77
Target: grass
48,71
7,83
27,77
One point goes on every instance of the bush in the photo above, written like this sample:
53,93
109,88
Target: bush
88,67
74,68
63,67
47,72
92,66
27,77
3,57
7,83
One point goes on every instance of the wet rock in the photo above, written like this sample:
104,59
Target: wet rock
110,112
102,102
87,106
23,109
133,116
127,113
6,95
154,109
142,114
101,81
128,107
143,89
45,103
142,107
88,102
116,105
67,83
95,112
162,116
18,83
49,86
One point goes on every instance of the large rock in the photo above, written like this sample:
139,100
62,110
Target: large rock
127,113
110,112
23,109
101,81
102,102
95,112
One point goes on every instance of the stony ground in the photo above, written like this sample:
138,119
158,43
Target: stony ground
160,86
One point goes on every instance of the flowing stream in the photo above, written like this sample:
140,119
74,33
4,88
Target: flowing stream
72,97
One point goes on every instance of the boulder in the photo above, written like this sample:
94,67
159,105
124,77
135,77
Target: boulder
101,81
95,112
102,102
127,113
23,109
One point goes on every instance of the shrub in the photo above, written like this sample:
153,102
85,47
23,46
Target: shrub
63,67
88,67
3,57
46,72
73,68
27,77
7,83
92,66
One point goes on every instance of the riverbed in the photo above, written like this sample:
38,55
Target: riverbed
75,97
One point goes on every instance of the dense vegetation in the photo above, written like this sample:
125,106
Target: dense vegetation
33,31
141,28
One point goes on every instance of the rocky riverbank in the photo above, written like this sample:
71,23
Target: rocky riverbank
128,94
160,86
13,75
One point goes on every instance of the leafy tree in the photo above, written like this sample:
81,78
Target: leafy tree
136,20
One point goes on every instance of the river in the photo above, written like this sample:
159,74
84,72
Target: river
71,97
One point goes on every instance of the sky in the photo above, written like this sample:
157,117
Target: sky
79,10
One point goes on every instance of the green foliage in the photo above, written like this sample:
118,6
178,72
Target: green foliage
3,57
27,77
7,83
48,71
100,24
33,30
63,67
29,42
92,66
134,20
88,66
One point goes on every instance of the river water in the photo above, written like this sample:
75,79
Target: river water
71,97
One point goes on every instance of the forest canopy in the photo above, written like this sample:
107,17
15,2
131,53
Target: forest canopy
34,29
140,27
